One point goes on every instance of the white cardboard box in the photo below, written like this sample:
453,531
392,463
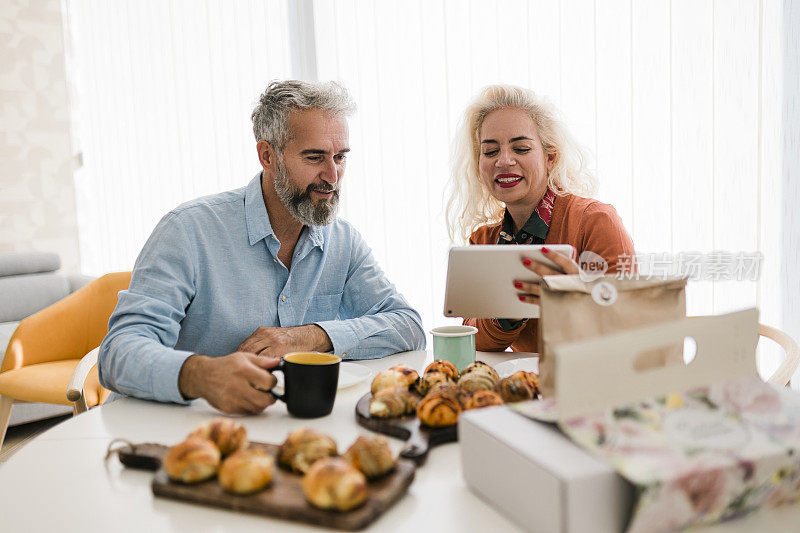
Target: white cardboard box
536,476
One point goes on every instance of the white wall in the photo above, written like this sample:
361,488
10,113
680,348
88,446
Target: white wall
37,196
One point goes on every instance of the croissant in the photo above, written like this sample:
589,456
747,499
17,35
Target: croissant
371,455
446,389
396,376
475,381
481,398
193,460
333,483
246,471
228,435
438,410
481,367
393,402
514,388
302,448
440,365
429,379
531,378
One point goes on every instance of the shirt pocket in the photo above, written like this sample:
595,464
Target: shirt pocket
323,307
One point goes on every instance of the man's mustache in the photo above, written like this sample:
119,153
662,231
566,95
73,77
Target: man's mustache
322,188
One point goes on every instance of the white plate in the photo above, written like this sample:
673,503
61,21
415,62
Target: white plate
349,374
528,364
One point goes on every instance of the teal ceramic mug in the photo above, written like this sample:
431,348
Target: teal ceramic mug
455,344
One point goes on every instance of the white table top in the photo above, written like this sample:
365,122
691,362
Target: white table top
60,482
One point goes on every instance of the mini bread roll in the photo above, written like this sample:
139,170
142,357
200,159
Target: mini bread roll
475,381
372,456
427,381
392,402
481,398
531,378
246,471
481,367
440,365
438,410
303,447
446,389
514,388
192,461
396,376
229,436
333,483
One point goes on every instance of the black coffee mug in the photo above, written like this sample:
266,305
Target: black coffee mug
310,380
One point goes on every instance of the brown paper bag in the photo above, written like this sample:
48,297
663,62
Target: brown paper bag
574,310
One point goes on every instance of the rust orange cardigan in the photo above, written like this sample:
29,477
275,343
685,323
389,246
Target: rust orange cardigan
584,223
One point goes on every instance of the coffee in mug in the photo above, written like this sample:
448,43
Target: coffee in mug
310,380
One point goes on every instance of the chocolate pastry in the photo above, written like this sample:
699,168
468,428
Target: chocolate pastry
439,410
392,402
481,398
396,376
429,379
440,365
514,388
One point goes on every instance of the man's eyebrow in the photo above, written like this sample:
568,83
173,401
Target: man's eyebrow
317,151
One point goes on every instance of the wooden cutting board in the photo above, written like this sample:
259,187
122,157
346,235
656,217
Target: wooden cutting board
419,439
283,498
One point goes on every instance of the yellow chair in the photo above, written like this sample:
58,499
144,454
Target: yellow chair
47,346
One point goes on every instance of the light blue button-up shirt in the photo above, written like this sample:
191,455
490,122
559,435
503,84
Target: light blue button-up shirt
209,275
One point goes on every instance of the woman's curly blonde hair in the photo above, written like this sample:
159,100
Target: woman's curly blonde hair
470,204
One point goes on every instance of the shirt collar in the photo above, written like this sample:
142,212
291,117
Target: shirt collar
258,225
537,226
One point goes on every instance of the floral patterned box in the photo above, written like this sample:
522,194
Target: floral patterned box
710,443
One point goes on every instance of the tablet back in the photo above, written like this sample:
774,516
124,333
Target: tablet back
480,279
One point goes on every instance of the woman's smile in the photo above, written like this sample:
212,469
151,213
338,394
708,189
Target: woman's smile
508,180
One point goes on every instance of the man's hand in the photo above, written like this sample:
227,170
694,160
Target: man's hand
276,342
238,383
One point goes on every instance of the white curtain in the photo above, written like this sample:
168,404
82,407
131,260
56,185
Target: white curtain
164,92
679,101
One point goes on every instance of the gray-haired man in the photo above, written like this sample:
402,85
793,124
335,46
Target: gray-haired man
228,283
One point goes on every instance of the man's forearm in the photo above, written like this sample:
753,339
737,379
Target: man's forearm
371,336
190,377
316,338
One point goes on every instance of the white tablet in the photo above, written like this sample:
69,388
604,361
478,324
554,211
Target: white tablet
480,279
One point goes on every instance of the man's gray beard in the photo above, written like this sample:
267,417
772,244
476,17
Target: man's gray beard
299,203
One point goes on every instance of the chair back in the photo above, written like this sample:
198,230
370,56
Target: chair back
68,329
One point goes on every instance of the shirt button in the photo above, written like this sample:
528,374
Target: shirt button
274,260
283,298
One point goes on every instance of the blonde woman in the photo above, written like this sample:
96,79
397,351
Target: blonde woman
519,178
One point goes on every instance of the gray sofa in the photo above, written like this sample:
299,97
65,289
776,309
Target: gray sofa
29,282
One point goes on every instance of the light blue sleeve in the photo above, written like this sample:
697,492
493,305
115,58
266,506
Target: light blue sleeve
375,319
137,356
